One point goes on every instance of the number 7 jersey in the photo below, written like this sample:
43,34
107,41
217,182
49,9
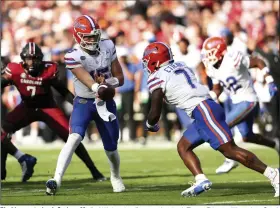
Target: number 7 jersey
234,77
179,86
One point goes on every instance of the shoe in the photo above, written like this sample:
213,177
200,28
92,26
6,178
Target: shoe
27,163
117,184
197,188
51,185
275,183
97,176
227,166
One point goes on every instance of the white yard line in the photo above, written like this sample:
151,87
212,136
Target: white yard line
241,201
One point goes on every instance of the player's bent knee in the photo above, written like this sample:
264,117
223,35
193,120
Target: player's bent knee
74,139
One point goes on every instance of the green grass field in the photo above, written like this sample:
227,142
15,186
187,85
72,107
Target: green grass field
151,177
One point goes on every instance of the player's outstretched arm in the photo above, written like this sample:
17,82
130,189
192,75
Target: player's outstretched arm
156,106
117,71
60,87
5,81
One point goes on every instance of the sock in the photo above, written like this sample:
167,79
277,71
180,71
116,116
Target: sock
114,162
65,156
18,154
269,173
200,177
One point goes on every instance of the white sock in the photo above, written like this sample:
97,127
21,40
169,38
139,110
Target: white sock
114,162
65,156
270,173
200,177
18,154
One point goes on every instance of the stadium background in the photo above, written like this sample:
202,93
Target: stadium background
253,26
184,25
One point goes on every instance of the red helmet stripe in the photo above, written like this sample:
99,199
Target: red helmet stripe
90,20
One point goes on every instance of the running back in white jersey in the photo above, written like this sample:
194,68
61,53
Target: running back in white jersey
234,77
179,85
100,64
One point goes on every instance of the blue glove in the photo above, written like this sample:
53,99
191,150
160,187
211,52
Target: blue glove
154,128
272,89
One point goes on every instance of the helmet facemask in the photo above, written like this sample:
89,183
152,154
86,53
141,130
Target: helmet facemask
91,45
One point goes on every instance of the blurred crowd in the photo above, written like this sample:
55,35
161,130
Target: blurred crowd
252,27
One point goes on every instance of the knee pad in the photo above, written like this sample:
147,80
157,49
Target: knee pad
74,139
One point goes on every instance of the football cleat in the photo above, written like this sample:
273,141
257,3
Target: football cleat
275,183
197,188
27,163
227,166
51,185
117,184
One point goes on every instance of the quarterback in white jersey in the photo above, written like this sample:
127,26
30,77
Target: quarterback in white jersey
94,65
176,84
229,71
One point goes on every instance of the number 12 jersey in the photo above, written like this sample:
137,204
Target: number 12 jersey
234,77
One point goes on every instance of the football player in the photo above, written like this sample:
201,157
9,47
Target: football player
228,70
92,58
176,83
34,78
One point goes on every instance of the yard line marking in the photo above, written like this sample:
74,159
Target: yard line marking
245,201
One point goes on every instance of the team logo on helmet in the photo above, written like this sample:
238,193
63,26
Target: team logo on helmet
80,26
149,51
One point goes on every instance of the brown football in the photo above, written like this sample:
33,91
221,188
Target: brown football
106,92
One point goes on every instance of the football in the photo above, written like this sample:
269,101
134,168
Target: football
105,92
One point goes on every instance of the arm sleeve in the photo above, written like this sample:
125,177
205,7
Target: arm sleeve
72,60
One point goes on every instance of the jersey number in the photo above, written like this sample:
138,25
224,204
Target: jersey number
232,84
181,71
32,89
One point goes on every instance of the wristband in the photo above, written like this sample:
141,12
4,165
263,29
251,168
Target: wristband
269,79
265,70
94,87
148,125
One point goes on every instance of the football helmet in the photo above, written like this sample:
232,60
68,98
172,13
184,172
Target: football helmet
87,32
156,55
213,50
32,51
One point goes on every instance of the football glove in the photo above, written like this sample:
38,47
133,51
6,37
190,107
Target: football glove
150,128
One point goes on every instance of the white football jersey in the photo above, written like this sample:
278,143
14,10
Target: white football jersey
234,77
100,64
179,86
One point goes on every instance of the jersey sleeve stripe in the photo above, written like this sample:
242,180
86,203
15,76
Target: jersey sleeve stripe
7,69
151,80
237,55
8,73
155,84
72,63
69,59
73,66
237,62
